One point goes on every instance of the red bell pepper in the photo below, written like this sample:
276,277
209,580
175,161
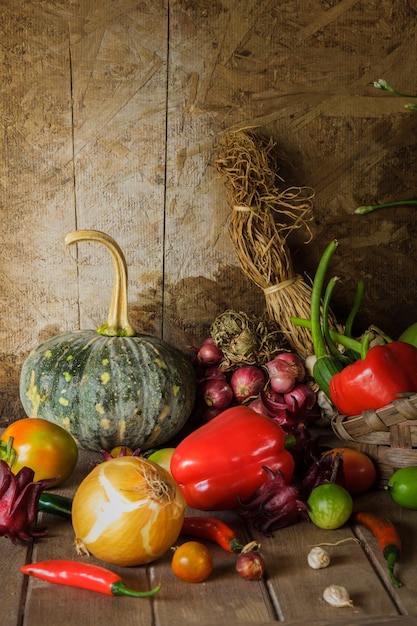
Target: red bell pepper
222,461
383,375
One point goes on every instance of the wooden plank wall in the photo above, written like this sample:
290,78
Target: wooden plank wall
110,114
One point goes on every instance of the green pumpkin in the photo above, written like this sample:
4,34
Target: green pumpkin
109,386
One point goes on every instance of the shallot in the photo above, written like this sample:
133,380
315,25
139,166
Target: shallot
285,370
247,381
217,393
209,353
300,399
250,565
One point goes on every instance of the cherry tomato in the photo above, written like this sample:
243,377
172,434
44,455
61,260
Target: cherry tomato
43,446
402,487
358,469
330,506
192,562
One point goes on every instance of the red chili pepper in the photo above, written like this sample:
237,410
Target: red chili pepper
223,460
383,375
84,576
388,539
212,529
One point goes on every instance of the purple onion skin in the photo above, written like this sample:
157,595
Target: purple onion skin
250,565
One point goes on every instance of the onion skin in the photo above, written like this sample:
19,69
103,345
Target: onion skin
127,511
250,565
246,382
209,354
285,370
217,393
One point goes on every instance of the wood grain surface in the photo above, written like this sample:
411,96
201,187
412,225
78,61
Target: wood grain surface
290,592
110,116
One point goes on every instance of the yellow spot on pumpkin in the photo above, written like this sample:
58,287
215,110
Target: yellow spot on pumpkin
105,362
105,377
67,376
160,363
99,408
63,401
70,357
176,389
32,395
66,423
164,413
48,354
105,424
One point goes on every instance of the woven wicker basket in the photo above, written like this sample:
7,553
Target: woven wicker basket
388,435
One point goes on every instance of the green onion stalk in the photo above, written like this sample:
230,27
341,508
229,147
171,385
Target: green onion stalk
326,365
381,83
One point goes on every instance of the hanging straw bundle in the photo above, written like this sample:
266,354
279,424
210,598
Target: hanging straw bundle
262,218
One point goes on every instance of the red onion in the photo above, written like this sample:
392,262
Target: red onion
214,372
250,565
300,399
273,401
247,381
210,412
209,353
285,370
217,393
258,406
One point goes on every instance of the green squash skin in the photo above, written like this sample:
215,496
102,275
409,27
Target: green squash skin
109,391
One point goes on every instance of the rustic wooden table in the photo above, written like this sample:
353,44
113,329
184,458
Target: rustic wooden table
291,591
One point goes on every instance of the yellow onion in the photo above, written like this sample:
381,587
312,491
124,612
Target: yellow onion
127,511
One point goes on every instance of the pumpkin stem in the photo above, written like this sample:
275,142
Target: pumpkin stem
117,324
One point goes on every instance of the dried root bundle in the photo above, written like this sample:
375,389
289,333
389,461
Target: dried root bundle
264,213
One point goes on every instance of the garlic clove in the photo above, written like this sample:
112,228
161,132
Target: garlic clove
337,596
318,558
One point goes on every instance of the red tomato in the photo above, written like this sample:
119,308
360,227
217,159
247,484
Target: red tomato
358,469
192,562
43,446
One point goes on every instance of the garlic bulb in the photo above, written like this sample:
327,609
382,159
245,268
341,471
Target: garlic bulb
337,596
318,558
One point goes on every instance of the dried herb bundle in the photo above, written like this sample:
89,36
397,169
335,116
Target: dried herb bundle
245,339
264,213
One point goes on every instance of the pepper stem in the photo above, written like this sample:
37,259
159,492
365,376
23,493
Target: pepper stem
391,561
117,324
118,588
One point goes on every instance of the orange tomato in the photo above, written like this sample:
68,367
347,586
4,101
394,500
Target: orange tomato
192,562
358,468
49,450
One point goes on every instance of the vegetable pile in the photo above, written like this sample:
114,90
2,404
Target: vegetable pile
253,453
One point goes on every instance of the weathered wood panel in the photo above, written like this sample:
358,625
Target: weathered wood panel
111,114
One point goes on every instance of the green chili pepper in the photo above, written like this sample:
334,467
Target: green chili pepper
55,504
